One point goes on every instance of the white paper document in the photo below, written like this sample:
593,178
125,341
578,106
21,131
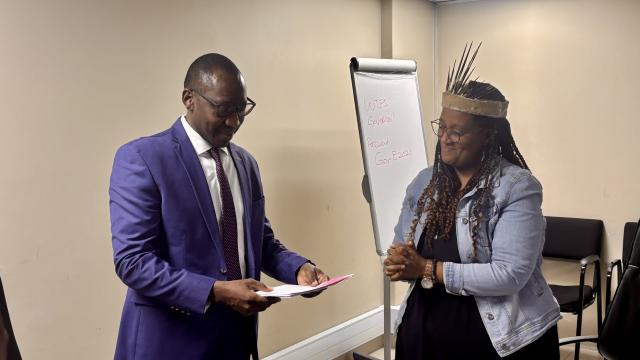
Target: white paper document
287,291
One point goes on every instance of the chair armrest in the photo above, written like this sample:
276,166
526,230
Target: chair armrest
589,260
584,263
617,263
577,339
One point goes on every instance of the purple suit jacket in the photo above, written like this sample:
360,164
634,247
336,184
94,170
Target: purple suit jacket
167,249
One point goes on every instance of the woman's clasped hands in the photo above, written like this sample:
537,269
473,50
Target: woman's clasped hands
403,262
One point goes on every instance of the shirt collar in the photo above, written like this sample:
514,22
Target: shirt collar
200,145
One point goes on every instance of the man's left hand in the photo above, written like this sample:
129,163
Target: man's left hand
310,275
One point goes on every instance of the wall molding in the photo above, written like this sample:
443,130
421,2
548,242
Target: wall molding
339,339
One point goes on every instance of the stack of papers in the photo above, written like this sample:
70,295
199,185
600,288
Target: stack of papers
287,291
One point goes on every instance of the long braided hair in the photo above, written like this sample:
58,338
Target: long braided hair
441,197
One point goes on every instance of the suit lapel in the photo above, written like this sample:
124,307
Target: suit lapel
245,188
191,163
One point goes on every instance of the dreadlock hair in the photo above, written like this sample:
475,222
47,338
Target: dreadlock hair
439,200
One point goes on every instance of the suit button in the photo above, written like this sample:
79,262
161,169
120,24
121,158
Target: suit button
465,221
223,271
490,316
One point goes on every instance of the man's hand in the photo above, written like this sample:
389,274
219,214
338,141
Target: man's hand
310,275
403,262
240,296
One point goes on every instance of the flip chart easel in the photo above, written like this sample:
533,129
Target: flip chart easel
385,92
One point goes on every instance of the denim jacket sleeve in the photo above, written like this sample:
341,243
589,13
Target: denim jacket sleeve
516,245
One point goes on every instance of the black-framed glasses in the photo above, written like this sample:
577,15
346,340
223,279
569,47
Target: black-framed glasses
225,110
453,134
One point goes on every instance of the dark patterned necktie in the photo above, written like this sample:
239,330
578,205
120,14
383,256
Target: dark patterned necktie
229,224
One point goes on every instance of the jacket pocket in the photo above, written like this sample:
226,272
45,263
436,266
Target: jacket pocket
482,235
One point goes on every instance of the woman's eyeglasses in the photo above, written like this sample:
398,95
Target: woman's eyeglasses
452,134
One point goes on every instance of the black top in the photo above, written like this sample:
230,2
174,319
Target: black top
439,325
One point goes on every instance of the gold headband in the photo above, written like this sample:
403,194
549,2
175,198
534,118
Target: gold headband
494,109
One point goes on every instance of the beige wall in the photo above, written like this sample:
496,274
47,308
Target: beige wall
79,78
570,70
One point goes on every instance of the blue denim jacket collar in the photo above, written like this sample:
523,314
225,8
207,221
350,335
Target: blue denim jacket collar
481,184
497,174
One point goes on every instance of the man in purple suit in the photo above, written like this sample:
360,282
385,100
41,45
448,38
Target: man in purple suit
189,231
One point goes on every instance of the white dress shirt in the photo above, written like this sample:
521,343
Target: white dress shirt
202,148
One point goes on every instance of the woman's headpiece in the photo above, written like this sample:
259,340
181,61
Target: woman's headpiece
457,95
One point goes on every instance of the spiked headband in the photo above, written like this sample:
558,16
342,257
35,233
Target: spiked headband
457,97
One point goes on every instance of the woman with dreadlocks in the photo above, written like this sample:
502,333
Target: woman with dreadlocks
477,289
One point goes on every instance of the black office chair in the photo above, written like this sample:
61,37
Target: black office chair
620,264
620,332
12,351
579,240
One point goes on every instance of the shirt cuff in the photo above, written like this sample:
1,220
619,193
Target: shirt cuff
454,279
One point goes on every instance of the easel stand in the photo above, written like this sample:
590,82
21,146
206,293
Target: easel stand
387,317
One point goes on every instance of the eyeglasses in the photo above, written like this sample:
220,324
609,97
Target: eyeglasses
225,110
452,134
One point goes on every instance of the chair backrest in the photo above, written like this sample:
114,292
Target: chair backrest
634,257
621,327
627,241
572,238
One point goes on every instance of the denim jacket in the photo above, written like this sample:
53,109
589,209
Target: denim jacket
515,303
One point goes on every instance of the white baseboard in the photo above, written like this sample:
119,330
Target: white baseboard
339,339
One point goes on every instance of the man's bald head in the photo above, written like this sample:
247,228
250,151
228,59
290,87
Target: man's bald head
202,70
